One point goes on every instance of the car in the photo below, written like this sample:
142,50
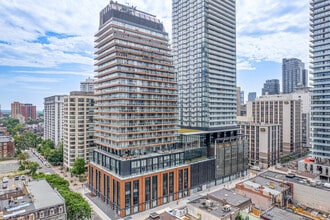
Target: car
16,178
290,175
5,180
4,186
23,177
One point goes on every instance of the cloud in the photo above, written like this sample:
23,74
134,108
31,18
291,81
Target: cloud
269,30
54,72
244,65
36,79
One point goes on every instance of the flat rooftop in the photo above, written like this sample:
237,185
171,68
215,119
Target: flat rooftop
216,208
231,197
276,213
43,194
296,179
6,139
40,195
269,185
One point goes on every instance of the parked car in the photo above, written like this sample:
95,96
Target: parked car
5,180
4,186
16,177
23,177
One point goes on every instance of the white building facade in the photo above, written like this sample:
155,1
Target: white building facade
204,50
53,117
78,127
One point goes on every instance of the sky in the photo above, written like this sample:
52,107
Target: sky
46,46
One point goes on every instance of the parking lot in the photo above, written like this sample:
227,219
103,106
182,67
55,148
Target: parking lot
8,183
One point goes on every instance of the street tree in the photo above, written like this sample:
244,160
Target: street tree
78,166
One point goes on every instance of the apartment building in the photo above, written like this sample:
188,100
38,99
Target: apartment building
78,127
23,112
87,85
53,117
320,42
137,164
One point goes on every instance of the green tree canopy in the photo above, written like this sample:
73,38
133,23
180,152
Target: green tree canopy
78,166
26,140
32,166
22,156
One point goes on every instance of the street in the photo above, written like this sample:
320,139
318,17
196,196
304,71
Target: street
44,169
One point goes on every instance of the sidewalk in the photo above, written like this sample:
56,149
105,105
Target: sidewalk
83,190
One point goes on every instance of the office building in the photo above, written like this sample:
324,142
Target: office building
252,96
320,70
23,112
87,85
34,200
294,75
284,110
204,51
53,118
264,143
78,127
271,87
137,164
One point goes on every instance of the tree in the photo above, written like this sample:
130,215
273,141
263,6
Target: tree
26,140
22,156
76,206
32,166
55,157
78,166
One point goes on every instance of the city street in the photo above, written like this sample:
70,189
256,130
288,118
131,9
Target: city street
44,169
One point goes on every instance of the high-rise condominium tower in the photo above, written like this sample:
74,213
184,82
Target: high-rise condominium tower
137,164
320,46
53,118
78,127
204,52
204,49
294,75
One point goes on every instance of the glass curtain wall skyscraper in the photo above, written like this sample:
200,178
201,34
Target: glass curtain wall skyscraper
294,75
320,47
204,49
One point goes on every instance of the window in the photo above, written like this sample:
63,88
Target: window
51,211
41,214
60,209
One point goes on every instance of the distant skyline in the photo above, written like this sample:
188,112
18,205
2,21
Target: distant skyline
47,47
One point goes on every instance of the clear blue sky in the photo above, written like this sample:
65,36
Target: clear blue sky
46,46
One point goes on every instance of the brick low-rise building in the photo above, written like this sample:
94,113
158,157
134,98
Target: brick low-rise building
264,192
7,147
